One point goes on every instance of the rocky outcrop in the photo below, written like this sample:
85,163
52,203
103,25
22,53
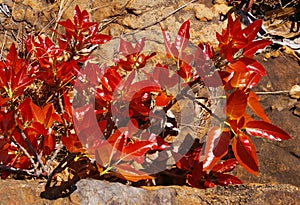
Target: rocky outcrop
92,192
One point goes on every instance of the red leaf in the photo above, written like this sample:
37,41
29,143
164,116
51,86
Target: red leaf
251,31
13,74
255,66
225,166
67,24
77,16
189,160
136,151
185,71
171,50
117,141
125,171
162,99
37,112
256,107
126,48
236,104
248,64
36,128
164,77
216,147
252,47
245,153
219,37
227,179
83,119
103,153
25,110
12,56
139,45
72,143
49,144
245,80
266,130
239,66
100,39
183,36
67,107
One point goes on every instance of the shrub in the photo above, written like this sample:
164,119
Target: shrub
61,110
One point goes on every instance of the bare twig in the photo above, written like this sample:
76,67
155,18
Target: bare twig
13,170
3,44
57,150
161,19
29,145
272,92
60,167
26,153
64,4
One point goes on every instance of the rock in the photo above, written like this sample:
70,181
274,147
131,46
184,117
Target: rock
278,161
32,16
92,192
203,13
141,6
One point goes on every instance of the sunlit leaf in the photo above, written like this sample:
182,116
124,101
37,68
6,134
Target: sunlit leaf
256,107
183,36
251,31
239,66
236,104
216,146
136,151
254,46
266,130
256,67
225,166
171,50
162,99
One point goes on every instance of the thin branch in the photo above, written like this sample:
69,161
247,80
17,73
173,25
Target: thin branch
14,170
60,167
38,158
26,153
203,106
3,44
57,150
161,19
272,92
29,145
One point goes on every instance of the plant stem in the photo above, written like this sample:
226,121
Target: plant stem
13,170
272,92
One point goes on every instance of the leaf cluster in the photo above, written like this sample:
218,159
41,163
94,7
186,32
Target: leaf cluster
49,120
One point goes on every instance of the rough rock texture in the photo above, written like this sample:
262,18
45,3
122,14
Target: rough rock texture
117,17
93,192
